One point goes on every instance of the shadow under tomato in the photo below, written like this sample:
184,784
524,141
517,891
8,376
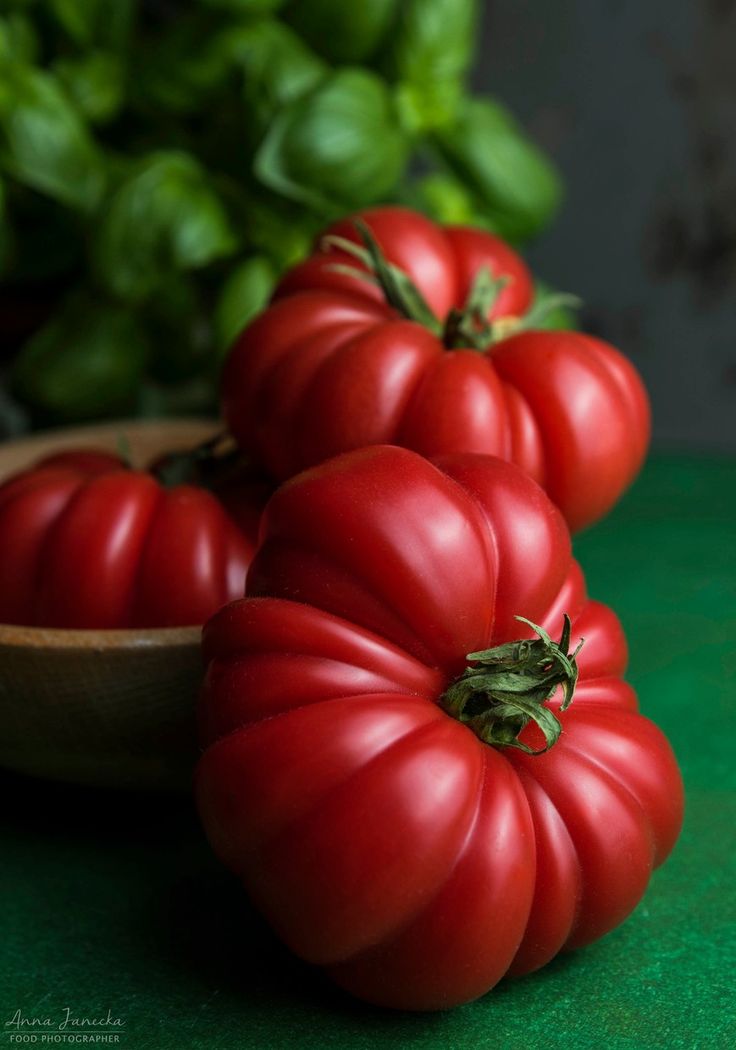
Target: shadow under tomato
206,925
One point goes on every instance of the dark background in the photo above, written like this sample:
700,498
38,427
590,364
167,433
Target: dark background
637,104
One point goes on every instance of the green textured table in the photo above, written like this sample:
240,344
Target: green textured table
113,903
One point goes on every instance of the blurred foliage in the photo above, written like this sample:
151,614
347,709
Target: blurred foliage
86,362
554,313
515,190
245,292
162,162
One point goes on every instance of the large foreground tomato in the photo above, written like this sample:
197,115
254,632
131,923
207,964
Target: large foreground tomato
87,543
338,362
347,777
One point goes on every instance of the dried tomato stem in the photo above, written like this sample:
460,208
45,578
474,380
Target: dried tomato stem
507,687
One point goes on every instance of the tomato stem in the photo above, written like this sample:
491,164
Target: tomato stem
198,465
467,327
398,288
507,687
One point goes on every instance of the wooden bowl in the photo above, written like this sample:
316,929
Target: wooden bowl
111,708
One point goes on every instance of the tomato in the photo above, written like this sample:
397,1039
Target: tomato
410,847
87,543
331,366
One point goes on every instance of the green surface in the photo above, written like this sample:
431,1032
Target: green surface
113,902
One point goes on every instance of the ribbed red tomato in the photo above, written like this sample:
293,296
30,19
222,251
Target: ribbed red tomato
381,834
87,543
338,362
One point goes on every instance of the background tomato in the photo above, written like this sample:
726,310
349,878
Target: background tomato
380,836
332,366
87,543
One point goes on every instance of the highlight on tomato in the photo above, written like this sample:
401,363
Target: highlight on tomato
423,775
397,330
87,542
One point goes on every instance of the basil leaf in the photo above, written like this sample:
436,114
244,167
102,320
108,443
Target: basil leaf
104,22
18,39
244,294
95,82
44,143
517,187
181,70
338,148
78,18
430,49
276,66
278,228
245,7
445,199
193,61
88,361
165,217
342,32
560,317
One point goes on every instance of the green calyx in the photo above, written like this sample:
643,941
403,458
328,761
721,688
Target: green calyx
507,687
202,465
398,288
467,327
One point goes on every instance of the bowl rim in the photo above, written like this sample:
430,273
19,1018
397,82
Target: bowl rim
18,636
107,431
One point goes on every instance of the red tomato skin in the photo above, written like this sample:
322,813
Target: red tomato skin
530,539
458,946
87,543
592,413
274,343
89,556
28,508
370,578
89,461
418,246
472,250
379,836
329,367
